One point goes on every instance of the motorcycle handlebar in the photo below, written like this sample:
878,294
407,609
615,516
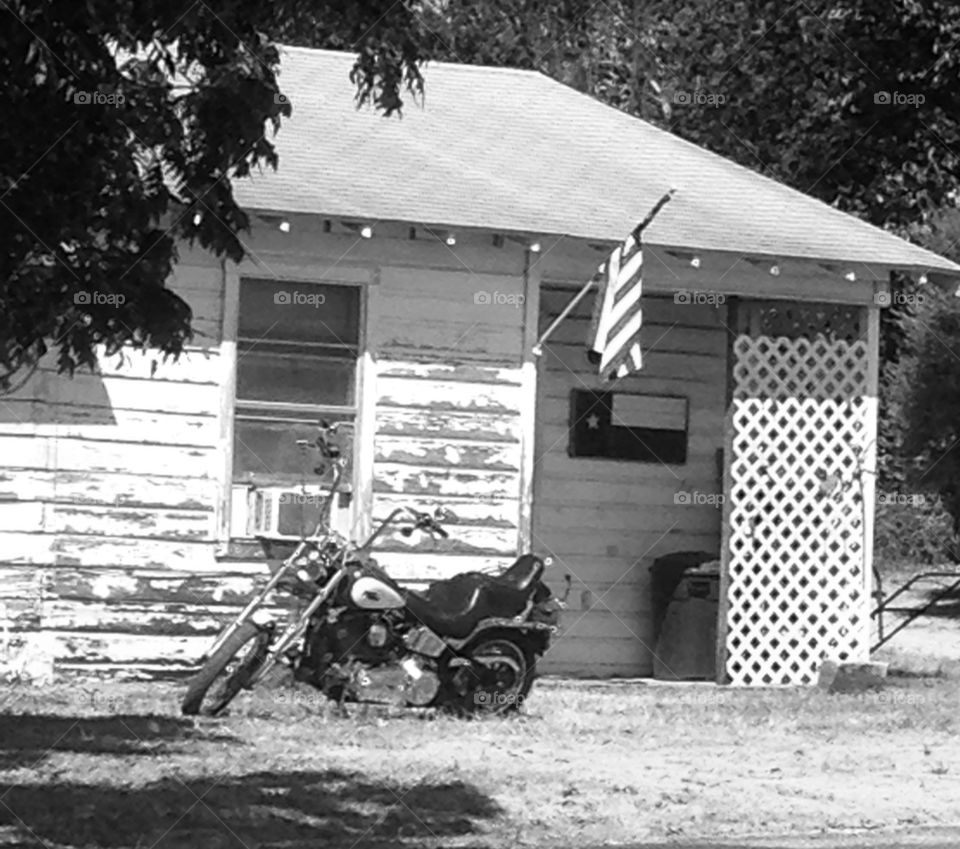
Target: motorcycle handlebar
426,522
420,521
329,449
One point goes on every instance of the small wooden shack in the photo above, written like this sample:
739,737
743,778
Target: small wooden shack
398,274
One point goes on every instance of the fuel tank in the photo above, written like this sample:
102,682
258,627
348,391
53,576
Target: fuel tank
370,593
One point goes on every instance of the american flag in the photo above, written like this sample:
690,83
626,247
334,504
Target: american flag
614,339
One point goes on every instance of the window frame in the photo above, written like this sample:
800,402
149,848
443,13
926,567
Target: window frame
229,524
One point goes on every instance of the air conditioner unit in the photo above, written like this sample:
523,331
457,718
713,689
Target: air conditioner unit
286,512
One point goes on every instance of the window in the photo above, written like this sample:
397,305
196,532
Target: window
626,426
298,346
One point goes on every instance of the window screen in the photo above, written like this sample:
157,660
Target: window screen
297,352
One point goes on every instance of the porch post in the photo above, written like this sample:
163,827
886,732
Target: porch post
868,472
229,320
528,402
723,607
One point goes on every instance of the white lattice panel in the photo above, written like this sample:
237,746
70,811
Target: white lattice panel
796,590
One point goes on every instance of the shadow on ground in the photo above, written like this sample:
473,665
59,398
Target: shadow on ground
267,808
27,739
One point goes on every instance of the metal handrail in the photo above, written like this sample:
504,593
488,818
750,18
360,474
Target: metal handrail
912,613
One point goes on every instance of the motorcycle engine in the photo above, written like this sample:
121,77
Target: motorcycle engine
409,682
355,635
360,655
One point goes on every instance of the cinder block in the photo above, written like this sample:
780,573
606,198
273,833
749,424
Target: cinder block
851,677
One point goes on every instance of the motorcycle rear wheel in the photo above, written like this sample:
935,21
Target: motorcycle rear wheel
227,671
512,668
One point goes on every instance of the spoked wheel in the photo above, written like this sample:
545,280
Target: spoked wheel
228,670
498,678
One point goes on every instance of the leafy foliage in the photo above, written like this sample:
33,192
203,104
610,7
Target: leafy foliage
924,394
126,123
854,102
913,532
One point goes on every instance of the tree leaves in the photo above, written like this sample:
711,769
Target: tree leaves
126,125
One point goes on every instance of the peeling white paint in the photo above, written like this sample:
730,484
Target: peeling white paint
108,585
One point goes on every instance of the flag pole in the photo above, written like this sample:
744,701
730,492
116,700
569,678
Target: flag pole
660,204
569,308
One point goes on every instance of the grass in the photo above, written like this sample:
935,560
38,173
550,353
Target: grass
113,765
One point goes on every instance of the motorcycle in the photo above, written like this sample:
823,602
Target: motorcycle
468,644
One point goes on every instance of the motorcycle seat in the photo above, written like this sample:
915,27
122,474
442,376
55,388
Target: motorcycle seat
447,619
524,573
455,606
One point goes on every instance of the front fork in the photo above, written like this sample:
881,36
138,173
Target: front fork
250,611
294,631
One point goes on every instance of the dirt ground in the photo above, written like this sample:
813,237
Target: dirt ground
113,765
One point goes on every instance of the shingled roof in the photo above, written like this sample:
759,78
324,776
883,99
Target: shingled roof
513,150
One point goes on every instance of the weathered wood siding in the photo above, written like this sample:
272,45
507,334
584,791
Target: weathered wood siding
605,521
447,416
111,548
109,481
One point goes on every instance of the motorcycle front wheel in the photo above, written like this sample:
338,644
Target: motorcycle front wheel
227,671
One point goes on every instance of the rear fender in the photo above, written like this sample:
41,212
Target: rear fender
536,634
